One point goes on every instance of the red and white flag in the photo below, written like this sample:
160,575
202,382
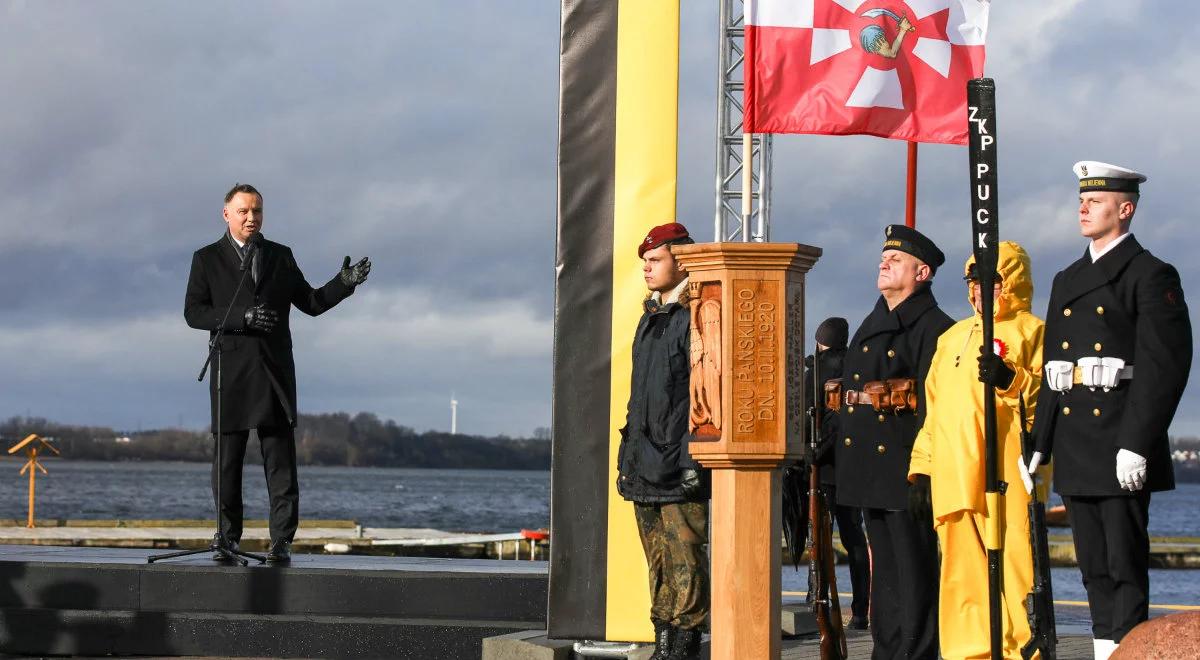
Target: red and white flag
892,68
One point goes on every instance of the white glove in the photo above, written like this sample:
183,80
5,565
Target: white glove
1028,472
1131,470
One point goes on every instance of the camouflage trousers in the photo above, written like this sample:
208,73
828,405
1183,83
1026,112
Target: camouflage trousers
674,538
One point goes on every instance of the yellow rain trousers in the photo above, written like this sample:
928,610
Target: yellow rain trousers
950,449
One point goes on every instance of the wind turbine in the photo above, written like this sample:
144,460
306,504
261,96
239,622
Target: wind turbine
453,415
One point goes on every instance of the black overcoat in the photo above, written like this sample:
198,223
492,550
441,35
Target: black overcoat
258,372
829,367
872,456
1129,304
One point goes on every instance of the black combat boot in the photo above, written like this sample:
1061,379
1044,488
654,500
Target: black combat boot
686,645
664,634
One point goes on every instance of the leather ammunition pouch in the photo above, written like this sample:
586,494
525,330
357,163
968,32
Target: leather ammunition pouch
833,394
892,395
903,393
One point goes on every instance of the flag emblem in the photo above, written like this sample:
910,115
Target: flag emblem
891,68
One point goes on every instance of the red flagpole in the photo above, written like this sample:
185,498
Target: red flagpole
910,205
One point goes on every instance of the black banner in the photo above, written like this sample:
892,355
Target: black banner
579,477
985,239
981,120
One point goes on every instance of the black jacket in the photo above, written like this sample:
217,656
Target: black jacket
1129,305
654,441
872,456
830,366
257,369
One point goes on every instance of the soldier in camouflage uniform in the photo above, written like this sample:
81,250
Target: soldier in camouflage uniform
668,488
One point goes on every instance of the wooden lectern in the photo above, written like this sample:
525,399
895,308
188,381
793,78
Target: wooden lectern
748,416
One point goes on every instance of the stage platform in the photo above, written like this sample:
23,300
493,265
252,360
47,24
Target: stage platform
109,601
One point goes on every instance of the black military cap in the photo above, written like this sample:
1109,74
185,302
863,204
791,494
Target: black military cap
907,239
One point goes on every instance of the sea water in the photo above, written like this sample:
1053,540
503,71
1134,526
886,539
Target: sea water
451,500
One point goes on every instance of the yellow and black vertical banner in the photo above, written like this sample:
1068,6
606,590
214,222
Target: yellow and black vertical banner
618,133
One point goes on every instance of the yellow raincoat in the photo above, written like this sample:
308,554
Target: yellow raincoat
950,449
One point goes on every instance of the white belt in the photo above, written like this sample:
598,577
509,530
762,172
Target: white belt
1091,372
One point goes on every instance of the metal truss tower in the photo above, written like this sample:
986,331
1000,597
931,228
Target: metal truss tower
730,223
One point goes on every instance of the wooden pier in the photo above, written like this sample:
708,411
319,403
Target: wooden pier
313,537
348,537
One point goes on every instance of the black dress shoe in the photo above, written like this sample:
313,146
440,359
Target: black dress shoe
228,545
858,623
281,550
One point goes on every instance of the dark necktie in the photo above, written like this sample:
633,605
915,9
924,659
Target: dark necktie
255,266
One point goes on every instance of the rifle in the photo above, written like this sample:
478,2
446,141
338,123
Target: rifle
985,236
1039,603
821,576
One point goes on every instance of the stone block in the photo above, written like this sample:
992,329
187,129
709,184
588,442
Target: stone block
526,645
798,619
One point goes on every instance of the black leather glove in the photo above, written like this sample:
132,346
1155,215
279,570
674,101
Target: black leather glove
994,371
261,318
828,437
690,484
920,499
356,274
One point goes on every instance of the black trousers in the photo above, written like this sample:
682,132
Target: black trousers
850,528
1113,550
904,585
278,447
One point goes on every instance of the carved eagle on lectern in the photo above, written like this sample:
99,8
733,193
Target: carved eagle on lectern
705,363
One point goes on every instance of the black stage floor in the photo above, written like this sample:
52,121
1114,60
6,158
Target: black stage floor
101,601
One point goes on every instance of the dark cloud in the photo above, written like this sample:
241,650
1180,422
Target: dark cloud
424,135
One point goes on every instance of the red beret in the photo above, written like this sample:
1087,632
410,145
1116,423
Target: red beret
662,234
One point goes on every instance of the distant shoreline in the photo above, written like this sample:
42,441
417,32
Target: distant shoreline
336,439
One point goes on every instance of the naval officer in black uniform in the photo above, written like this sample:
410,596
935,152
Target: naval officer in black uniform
883,391
1118,349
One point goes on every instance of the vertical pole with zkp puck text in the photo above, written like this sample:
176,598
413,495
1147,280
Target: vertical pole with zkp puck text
985,236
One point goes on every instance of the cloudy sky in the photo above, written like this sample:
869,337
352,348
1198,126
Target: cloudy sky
423,135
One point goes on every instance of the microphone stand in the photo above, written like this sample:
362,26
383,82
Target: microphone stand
219,545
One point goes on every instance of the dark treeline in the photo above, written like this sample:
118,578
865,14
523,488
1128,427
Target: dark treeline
334,439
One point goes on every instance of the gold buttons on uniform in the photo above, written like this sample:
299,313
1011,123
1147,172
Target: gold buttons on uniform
866,348
849,409
881,449
855,376
1066,345
1097,346
881,418
891,353
847,441
1067,311
1067,410
1100,310
1095,412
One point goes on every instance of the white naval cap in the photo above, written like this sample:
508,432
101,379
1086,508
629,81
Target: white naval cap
1094,175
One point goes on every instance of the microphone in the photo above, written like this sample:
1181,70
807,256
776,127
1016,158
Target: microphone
252,245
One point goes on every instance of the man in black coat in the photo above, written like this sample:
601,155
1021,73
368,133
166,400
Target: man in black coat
1116,309
883,392
256,367
831,338
668,488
